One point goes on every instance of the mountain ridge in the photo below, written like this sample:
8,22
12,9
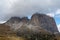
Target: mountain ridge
37,19
39,27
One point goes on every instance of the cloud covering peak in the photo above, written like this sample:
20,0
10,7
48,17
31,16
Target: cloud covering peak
22,8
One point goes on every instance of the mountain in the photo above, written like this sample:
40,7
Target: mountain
44,21
25,19
39,27
13,20
41,20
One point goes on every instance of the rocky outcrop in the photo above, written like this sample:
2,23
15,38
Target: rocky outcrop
30,29
44,21
24,19
12,21
16,20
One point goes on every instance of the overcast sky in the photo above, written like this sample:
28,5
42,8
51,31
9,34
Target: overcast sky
22,8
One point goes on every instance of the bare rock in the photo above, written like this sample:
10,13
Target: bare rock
44,21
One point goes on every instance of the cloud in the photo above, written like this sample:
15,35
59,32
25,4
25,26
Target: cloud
1,22
58,11
22,8
50,14
54,14
58,27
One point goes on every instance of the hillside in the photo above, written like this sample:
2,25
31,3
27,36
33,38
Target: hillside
39,27
7,34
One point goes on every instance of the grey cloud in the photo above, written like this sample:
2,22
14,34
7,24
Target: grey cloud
22,8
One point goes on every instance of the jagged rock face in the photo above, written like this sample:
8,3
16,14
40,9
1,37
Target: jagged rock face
30,29
13,21
16,20
25,19
39,20
44,21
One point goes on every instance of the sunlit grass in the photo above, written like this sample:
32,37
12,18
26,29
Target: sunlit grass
12,38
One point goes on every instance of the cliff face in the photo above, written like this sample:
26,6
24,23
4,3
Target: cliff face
14,21
39,20
44,21
25,19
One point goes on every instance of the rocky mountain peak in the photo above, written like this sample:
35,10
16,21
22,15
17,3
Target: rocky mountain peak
14,20
36,18
37,14
25,19
44,21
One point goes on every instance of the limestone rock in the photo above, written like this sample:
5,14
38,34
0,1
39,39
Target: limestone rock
44,21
